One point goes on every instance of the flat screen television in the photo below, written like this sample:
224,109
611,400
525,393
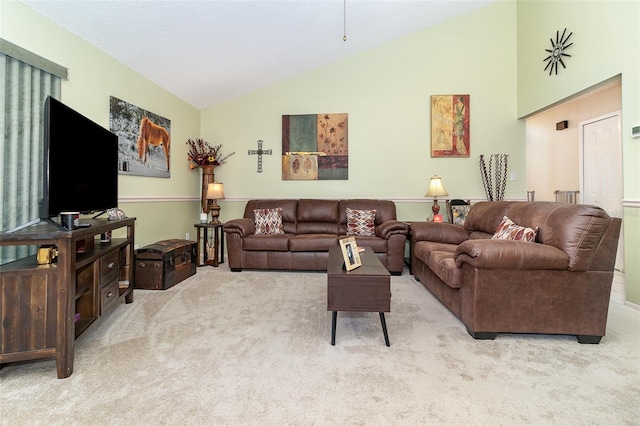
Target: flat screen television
80,163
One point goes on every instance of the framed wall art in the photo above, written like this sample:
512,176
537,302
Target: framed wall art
450,126
144,140
315,147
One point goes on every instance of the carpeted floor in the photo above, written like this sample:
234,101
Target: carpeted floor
253,348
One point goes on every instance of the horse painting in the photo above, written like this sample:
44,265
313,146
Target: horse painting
152,134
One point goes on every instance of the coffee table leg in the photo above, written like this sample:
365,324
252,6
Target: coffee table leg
384,328
334,316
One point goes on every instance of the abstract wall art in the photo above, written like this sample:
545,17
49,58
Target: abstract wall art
315,147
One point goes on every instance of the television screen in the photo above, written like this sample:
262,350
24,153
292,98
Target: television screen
80,163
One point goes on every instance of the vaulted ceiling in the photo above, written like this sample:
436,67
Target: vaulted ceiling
209,52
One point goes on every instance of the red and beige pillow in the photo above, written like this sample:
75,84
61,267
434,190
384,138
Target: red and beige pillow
268,221
361,222
508,230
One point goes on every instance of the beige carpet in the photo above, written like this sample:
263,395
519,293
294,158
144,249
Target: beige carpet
253,348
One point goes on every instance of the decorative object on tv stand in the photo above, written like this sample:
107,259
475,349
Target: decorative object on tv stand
215,192
497,174
436,189
203,156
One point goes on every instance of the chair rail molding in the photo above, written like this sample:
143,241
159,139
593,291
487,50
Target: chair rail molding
157,199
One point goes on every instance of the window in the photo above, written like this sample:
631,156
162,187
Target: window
26,80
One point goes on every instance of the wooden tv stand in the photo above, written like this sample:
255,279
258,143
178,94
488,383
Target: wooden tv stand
40,304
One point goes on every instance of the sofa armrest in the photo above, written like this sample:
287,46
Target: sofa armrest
507,254
439,232
243,226
391,227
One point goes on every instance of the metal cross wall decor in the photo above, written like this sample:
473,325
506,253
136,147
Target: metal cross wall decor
259,152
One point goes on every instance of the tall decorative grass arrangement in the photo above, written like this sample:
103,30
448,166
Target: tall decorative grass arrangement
494,179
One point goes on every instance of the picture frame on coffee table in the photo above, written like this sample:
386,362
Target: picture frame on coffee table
350,253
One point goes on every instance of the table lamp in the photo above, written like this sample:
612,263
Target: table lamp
215,191
436,189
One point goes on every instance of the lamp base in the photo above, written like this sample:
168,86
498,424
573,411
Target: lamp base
435,208
215,214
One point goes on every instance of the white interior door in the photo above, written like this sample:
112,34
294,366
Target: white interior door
601,164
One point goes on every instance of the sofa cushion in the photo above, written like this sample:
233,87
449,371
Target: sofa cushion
480,235
268,221
485,216
377,244
265,242
437,231
312,242
444,266
317,217
423,249
508,230
361,222
310,210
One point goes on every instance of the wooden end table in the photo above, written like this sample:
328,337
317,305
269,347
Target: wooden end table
218,243
364,289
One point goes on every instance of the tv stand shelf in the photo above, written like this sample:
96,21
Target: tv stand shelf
44,308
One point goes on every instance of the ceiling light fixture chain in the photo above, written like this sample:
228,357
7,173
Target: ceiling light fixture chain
344,37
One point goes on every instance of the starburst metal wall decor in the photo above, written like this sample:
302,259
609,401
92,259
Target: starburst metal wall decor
557,52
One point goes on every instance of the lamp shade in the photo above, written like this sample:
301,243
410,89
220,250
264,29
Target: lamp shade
436,189
215,191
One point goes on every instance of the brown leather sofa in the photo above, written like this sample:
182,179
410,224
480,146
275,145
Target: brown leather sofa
311,226
559,284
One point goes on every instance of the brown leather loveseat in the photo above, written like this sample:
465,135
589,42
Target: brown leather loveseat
559,284
309,228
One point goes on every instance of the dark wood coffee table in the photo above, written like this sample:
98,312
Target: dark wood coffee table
364,289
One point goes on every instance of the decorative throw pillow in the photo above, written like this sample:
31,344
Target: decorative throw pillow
459,214
268,221
361,222
507,230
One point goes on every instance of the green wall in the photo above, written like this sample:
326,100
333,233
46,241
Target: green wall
606,39
386,92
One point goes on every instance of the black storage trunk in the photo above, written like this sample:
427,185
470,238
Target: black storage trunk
164,264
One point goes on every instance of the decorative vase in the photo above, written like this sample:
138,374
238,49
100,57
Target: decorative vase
497,163
207,178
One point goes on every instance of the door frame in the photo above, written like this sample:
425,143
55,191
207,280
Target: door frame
581,126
